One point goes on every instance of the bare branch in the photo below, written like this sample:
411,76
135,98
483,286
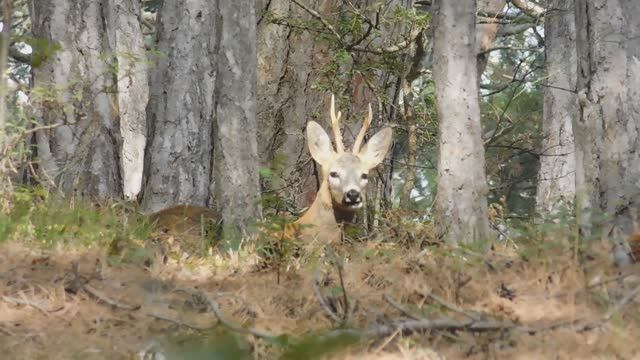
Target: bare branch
512,48
391,48
319,17
512,29
529,7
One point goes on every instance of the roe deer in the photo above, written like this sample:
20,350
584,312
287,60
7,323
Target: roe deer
344,176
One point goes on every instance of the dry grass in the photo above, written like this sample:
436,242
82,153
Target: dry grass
540,287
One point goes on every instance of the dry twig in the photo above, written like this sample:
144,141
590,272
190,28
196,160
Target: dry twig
178,322
80,283
215,308
323,301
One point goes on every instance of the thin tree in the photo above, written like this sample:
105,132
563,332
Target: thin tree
236,187
556,178
461,201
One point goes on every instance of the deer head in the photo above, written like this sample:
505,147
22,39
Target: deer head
347,172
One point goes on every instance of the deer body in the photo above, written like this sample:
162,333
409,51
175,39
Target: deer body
344,176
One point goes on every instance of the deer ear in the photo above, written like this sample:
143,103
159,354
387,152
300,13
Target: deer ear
319,143
374,151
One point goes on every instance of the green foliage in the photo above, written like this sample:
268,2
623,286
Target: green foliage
513,115
42,49
42,219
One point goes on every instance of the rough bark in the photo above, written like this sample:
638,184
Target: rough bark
289,62
556,177
461,202
180,111
81,155
237,185
608,127
132,88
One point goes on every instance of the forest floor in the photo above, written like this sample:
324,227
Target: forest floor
541,300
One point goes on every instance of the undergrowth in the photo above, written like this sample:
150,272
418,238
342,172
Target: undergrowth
540,277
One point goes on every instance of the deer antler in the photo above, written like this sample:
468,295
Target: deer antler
335,125
365,126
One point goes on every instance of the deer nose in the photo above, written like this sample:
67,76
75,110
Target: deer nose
352,196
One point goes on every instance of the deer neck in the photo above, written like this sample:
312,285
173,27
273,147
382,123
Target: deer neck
325,216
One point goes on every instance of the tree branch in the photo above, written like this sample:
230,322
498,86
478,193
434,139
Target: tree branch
322,20
529,7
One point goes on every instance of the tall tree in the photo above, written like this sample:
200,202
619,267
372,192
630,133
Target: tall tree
461,202
202,111
556,177
607,130
81,152
289,61
178,162
236,161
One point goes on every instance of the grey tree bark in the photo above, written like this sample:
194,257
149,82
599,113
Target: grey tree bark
556,177
461,202
237,186
607,129
81,155
178,160
288,63
132,88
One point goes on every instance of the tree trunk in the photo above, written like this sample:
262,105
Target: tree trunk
5,39
132,88
236,162
82,154
461,202
178,161
289,61
556,177
608,126
408,116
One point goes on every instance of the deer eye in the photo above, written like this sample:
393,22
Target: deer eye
364,176
334,174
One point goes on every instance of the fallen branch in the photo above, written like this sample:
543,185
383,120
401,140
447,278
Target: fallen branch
215,308
80,283
406,312
321,299
622,303
451,306
412,326
179,323
16,301
103,298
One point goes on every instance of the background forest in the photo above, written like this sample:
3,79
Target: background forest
516,158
